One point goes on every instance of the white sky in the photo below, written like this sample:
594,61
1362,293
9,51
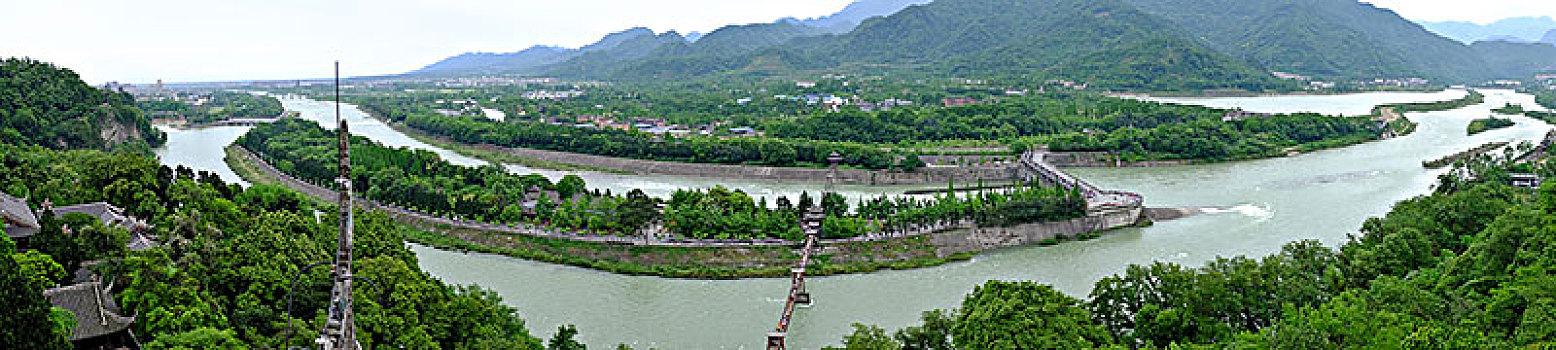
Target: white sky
205,40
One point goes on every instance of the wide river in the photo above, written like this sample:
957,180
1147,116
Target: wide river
1266,203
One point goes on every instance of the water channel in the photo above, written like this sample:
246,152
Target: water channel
1263,204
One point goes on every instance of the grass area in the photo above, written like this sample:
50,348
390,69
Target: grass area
687,262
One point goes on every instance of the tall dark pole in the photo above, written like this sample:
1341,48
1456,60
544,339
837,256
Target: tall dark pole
340,331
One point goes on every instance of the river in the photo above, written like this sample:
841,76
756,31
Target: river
1264,204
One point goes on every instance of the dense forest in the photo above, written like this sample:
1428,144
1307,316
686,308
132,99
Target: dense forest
221,275
422,181
216,106
50,106
1469,266
1091,122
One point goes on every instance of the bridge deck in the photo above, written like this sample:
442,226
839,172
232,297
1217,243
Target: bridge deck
811,225
1096,198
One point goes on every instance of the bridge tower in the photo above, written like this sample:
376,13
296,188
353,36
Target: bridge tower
340,331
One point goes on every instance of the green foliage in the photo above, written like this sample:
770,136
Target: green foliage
64,321
1487,124
870,338
41,104
200,338
1510,109
1469,266
563,339
632,144
1089,122
218,106
1025,315
40,269
28,322
223,276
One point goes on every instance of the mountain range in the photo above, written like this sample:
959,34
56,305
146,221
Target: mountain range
1525,29
1116,44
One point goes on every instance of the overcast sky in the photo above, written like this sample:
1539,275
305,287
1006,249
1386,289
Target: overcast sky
205,40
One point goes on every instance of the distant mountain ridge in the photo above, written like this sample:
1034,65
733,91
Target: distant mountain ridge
728,39
1528,29
527,60
1118,44
856,12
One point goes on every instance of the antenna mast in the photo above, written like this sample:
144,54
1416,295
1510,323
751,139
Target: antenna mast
340,331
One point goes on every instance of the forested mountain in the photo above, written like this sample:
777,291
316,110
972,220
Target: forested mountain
1113,44
743,38
1523,28
1106,41
41,104
1334,38
856,12
1519,60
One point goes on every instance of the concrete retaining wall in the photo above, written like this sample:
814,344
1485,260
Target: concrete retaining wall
980,239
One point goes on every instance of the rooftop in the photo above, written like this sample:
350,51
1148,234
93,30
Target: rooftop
17,217
96,313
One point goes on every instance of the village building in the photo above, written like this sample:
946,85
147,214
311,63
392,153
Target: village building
1524,180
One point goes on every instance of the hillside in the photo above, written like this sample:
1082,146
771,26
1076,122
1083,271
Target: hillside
529,60
50,106
1079,39
481,62
1169,45
1326,38
1517,60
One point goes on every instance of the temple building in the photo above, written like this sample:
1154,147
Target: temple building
19,220
99,324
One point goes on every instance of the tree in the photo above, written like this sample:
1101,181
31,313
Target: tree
199,338
40,269
563,339
869,338
569,186
911,163
934,333
637,210
1025,315
25,324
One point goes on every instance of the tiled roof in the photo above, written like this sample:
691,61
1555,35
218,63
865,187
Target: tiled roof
96,313
17,216
109,214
